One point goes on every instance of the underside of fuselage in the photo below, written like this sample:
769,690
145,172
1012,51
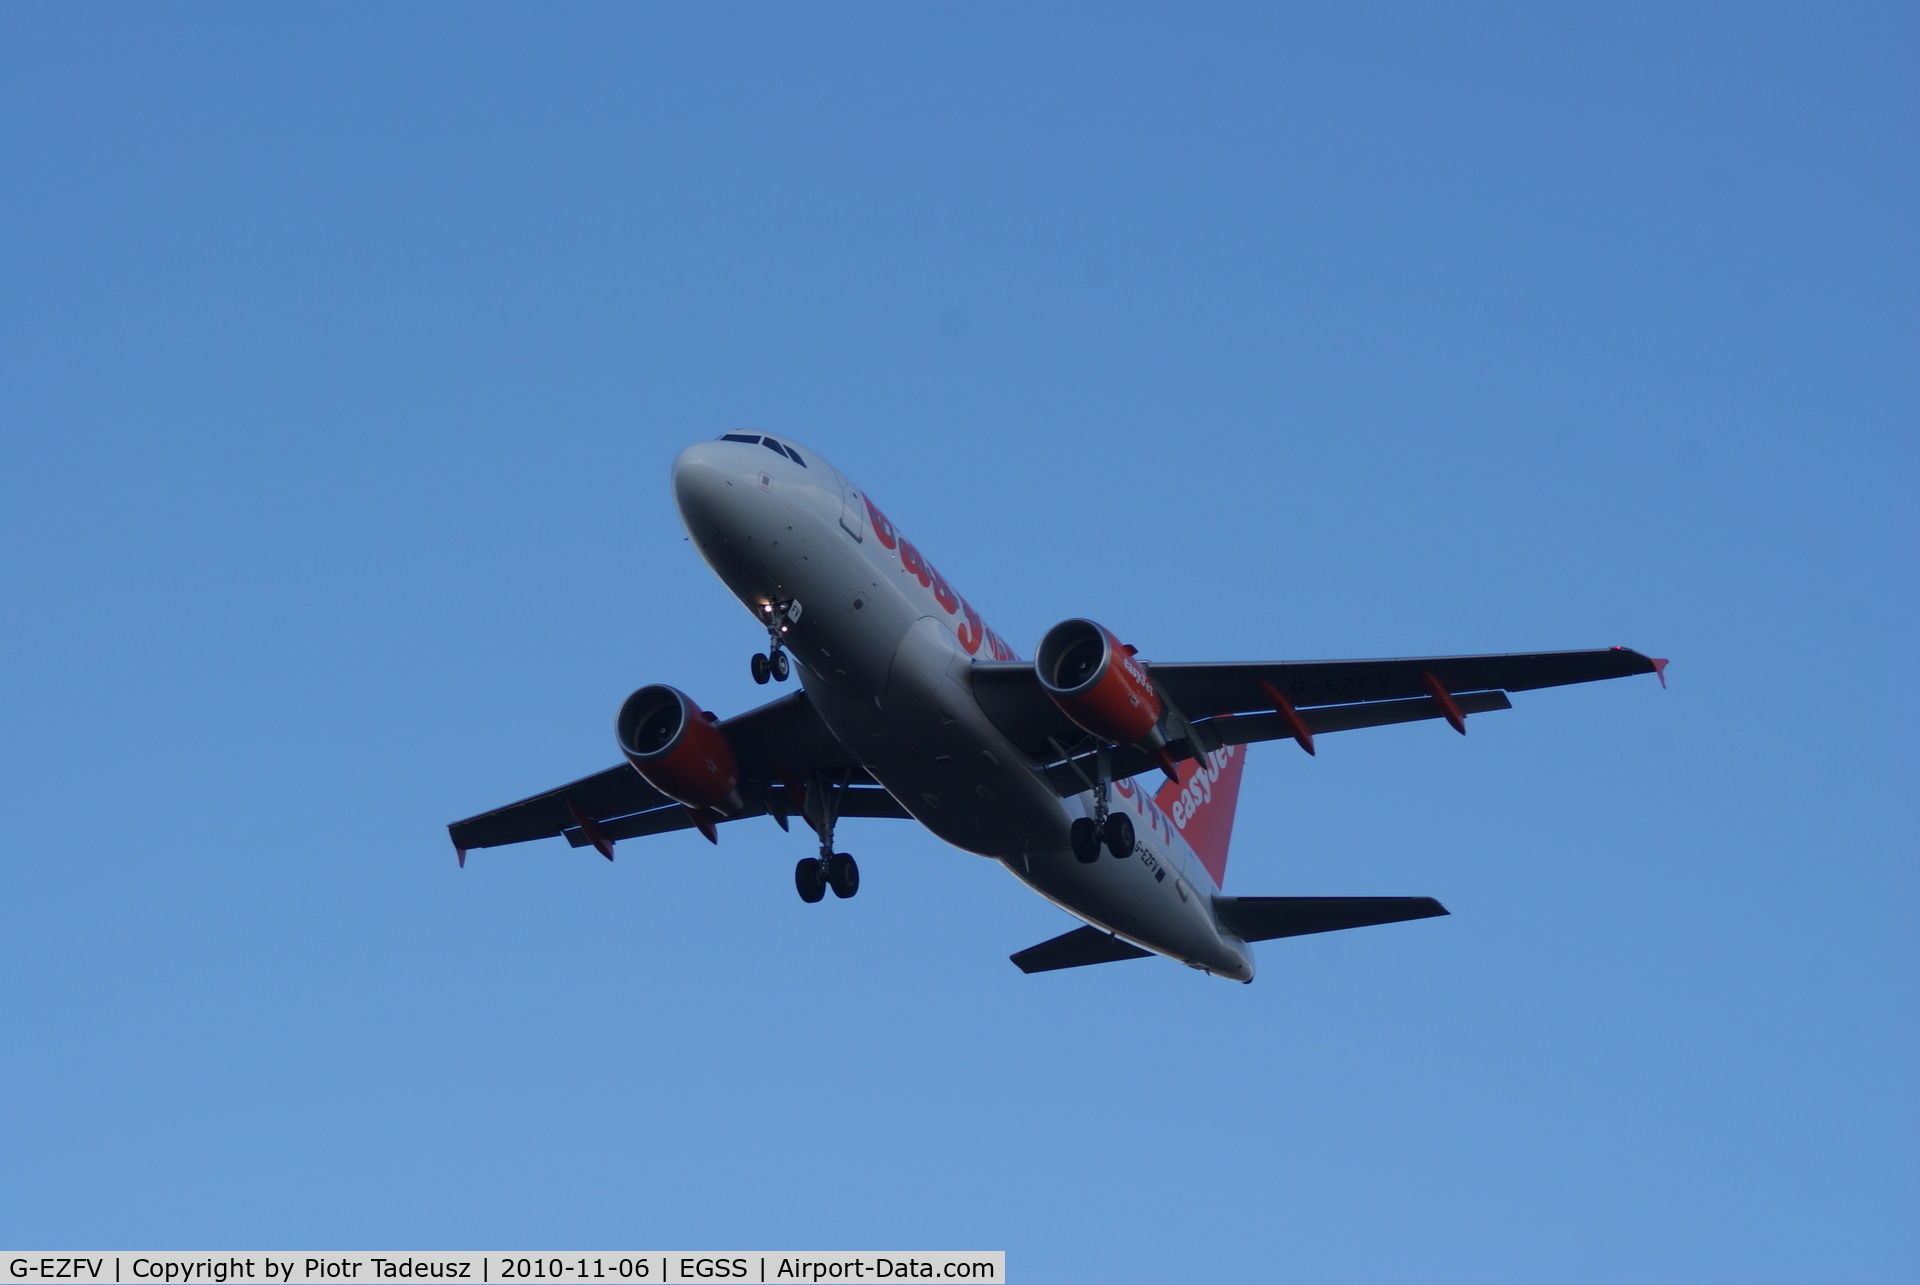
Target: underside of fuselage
882,658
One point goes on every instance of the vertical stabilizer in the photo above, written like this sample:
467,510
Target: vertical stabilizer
1201,804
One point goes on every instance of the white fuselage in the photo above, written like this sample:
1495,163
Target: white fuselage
885,649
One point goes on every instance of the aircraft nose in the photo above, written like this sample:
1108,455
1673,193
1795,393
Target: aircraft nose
705,476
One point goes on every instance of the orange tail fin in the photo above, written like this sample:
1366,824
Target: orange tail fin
1201,805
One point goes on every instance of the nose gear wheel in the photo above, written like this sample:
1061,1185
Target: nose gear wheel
777,617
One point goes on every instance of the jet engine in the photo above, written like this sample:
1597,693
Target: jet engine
674,744
1094,679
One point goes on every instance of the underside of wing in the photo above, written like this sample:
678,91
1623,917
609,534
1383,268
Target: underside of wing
1238,703
1209,689
861,798
783,750
616,792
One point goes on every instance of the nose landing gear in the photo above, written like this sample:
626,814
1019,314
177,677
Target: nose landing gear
778,617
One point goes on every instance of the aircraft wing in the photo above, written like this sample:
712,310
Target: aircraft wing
1229,703
780,746
1208,690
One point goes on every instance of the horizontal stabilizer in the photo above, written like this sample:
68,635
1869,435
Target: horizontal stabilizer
1265,918
1076,949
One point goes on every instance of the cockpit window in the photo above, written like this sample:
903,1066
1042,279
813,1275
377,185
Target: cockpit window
778,448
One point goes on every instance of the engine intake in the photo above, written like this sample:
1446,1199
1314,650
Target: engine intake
1094,679
674,744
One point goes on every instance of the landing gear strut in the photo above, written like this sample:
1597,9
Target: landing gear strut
778,617
1114,831
835,870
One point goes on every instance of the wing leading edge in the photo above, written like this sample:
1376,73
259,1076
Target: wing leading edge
1206,690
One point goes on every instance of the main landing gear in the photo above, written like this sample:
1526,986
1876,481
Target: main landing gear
1089,836
778,617
836,870
1115,831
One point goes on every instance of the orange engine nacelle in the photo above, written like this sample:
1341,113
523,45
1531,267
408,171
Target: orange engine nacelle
1094,679
674,744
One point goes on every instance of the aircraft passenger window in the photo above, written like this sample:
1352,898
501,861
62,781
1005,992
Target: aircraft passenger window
739,437
796,457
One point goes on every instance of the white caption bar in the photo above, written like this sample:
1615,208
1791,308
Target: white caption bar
596,1267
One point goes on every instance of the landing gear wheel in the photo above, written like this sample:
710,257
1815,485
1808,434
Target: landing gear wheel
809,880
1120,835
760,668
779,667
1085,838
843,875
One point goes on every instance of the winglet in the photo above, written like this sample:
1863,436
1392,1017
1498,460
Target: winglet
1660,668
591,828
1289,715
1444,699
461,853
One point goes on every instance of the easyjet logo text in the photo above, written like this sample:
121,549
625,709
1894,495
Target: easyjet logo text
970,629
1199,791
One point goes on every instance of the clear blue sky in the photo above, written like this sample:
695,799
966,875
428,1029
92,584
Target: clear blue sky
343,355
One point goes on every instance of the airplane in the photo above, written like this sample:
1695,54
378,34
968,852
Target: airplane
911,706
